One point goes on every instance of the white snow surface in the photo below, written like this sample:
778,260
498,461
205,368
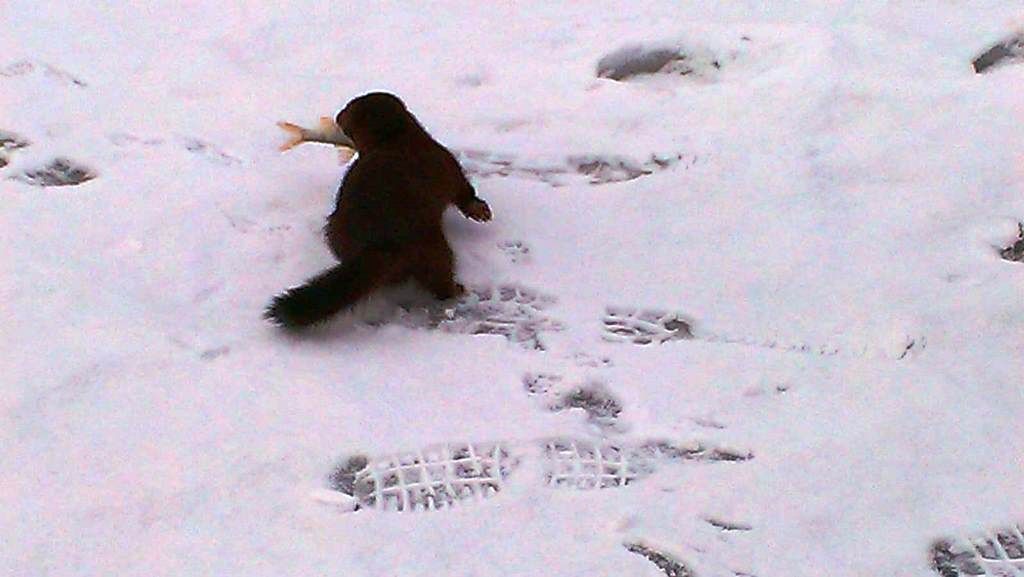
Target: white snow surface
831,231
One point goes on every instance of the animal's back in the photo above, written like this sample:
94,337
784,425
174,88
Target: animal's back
386,200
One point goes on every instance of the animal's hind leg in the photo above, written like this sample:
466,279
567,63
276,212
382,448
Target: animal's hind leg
435,270
338,239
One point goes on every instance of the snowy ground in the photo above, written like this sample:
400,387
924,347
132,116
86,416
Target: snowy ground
821,190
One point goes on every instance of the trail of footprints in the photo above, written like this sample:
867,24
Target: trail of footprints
26,68
626,64
204,150
996,553
62,171
519,314
443,476
651,326
597,169
58,171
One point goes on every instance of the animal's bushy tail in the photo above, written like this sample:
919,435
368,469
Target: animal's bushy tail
331,291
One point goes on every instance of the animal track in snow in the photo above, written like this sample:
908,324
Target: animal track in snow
593,398
998,553
201,148
1009,50
540,383
512,311
650,326
442,476
727,526
1015,252
703,59
28,67
516,250
484,164
668,565
58,172
214,353
10,141
125,139
207,151
599,169
912,346
583,359
606,169
905,347
637,60
644,326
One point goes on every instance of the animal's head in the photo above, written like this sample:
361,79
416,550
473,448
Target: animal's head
374,118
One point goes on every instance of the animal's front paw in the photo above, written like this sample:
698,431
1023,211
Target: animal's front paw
451,291
477,210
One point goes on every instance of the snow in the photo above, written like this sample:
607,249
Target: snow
830,226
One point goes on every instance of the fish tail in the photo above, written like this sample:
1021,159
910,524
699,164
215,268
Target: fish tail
296,135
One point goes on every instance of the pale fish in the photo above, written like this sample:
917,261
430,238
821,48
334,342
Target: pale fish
327,132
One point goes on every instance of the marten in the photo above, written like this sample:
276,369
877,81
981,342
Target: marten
386,226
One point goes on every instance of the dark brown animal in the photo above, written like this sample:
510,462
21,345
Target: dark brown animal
386,226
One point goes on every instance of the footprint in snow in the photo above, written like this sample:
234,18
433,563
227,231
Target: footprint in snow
443,476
